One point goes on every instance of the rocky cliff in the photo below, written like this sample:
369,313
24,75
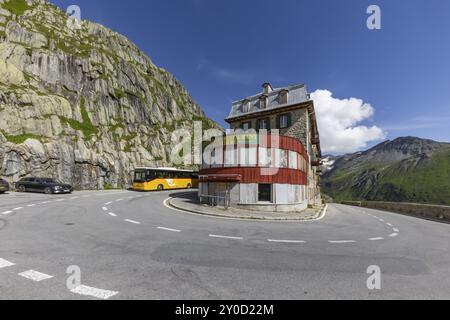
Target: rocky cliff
81,103
407,169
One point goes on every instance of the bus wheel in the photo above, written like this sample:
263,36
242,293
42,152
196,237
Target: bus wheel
189,186
160,187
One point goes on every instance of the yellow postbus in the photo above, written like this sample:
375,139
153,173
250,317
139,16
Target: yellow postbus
158,179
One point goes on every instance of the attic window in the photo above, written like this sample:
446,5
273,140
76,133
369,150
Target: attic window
283,97
245,106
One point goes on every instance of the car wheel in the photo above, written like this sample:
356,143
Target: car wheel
22,188
48,190
160,187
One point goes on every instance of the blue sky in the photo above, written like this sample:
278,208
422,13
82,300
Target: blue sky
224,50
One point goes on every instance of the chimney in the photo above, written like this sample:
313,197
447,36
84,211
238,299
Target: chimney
267,88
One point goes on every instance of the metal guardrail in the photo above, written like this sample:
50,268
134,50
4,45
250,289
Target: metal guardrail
215,201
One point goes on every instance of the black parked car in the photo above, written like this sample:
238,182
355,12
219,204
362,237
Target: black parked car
4,186
46,185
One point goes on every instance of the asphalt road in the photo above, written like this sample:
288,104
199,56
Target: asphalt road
129,245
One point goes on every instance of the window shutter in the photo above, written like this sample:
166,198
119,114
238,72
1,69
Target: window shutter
268,124
258,124
278,122
289,119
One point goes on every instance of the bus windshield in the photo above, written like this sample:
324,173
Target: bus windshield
140,176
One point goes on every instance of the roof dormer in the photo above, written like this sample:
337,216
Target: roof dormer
245,107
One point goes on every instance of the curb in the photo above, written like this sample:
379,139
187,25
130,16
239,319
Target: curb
320,216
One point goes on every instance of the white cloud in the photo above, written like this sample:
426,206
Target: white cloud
339,123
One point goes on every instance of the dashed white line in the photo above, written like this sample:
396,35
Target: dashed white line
132,221
108,203
5,263
341,241
225,237
286,241
7,212
393,235
104,209
94,292
396,230
31,205
112,214
376,239
119,200
35,275
45,202
18,209
389,224
169,229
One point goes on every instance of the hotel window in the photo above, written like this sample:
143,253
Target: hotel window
264,124
284,121
281,158
265,157
263,102
283,97
246,126
245,106
247,157
293,160
264,193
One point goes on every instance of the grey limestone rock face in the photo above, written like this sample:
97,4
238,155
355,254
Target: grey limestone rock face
81,103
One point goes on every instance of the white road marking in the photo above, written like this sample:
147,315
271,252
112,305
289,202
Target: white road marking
35,275
381,220
286,241
389,224
45,202
169,229
59,200
86,196
73,198
342,241
104,209
376,239
31,205
7,212
108,203
396,230
393,235
119,200
5,263
94,292
225,237
17,209
132,221
112,214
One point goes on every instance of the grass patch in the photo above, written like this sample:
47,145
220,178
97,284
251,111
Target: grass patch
88,129
17,7
21,138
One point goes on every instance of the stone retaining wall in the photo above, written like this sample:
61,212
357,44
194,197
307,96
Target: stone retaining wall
426,211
